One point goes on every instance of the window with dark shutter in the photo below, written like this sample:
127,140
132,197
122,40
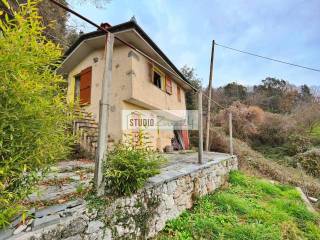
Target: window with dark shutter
85,86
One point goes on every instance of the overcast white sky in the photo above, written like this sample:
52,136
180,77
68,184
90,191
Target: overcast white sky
285,29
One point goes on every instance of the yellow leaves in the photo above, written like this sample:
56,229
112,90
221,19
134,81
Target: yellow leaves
33,113
6,4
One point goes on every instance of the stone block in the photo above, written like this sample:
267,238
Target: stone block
45,221
76,237
94,226
5,233
20,229
50,210
75,203
74,227
107,234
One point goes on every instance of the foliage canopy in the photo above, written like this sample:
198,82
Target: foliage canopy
34,116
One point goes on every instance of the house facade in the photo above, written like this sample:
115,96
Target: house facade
137,83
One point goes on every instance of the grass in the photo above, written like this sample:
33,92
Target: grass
278,154
316,130
250,208
315,134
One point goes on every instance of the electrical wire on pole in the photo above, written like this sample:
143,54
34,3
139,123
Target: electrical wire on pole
267,58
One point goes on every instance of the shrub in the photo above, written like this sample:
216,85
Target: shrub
308,116
255,163
219,141
310,162
245,120
127,168
298,143
275,129
34,116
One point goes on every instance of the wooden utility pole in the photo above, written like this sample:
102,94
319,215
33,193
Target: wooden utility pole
104,115
209,99
230,133
200,150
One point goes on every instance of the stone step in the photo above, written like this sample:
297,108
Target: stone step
46,193
88,127
68,166
40,218
66,177
79,126
90,122
85,116
85,119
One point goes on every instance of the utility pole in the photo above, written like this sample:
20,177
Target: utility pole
209,98
200,147
104,115
230,133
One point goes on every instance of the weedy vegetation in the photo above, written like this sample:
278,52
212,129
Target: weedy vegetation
249,208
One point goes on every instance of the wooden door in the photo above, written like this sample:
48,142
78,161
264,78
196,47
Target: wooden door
85,86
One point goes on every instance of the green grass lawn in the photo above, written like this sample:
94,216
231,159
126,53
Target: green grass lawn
316,131
249,208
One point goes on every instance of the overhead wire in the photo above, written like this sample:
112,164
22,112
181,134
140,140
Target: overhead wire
267,58
135,49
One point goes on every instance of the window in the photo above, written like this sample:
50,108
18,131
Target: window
85,85
168,85
157,79
179,93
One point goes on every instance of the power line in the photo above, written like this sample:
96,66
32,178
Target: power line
133,48
267,58
119,39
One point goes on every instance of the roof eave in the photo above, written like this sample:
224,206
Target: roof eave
126,26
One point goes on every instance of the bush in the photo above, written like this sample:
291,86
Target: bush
275,129
310,162
245,120
298,143
219,141
34,115
308,116
255,163
127,168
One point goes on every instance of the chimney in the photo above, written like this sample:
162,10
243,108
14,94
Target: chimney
105,25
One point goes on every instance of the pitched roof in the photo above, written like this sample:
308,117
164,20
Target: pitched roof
122,27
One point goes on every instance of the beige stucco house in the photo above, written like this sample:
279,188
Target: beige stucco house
137,83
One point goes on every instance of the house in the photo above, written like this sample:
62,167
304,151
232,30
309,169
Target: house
137,83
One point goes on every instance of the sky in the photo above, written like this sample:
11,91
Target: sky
288,30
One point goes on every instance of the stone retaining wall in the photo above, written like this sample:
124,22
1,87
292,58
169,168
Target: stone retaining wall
141,215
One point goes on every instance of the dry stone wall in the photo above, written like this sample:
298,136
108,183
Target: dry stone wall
139,216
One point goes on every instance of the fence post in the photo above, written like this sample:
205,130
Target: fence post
230,133
200,126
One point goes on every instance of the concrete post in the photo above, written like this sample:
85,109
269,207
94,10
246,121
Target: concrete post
104,115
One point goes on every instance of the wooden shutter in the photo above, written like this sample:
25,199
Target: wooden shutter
85,86
185,137
168,85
